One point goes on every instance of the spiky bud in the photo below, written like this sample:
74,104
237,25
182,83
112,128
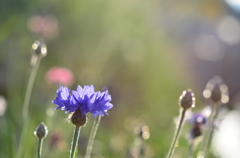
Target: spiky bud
216,90
41,131
187,99
142,132
39,48
77,119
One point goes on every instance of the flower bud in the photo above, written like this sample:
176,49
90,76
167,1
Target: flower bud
39,48
216,90
142,132
41,131
195,131
77,119
187,99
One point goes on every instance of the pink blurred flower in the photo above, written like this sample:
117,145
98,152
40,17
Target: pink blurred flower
59,75
46,27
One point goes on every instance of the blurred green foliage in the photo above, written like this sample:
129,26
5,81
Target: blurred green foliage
118,44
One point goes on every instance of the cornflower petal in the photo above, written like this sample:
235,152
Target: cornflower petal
63,96
80,91
85,99
83,96
101,104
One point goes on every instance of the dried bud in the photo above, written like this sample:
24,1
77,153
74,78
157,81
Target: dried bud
77,119
187,100
196,131
39,48
216,94
41,131
142,132
216,90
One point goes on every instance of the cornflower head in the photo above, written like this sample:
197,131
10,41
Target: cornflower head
197,121
80,102
99,103
83,100
197,118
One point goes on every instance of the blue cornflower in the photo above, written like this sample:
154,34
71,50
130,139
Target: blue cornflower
84,99
198,118
64,100
83,96
197,121
99,104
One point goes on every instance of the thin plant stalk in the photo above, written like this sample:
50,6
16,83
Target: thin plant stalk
207,137
75,141
141,152
23,137
34,69
11,122
190,151
92,136
177,133
30,87
39,149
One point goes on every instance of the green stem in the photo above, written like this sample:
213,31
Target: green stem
11,129
29,87
92,136
75,140
190,151
207,137
23,137
177,133
141,149
39,150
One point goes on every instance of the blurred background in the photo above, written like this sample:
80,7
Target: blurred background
145,52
